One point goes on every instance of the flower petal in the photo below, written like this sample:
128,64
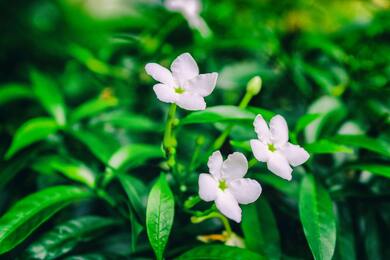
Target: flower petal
215,164
228,205
208,187
261,129
278,164
245,190
279,130
160,74
260,150
235,166
191,101
184,68
295,154
165,93
202,84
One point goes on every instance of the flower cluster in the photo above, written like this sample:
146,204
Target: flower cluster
225,184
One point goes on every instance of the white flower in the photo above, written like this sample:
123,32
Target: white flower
226,186
273,147
183,86
190,9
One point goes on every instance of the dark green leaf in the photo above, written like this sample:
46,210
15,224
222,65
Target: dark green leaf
32,211
135,191
49,95
64,237
159,215
260,230
32,131
318,218
379,169
220,252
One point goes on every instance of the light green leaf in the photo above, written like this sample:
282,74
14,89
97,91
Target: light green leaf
266,114
318,218
260,230
304,121
219,114
13,91
326,147
133,155
66,236
92,107
220,252
70,168
379,169
159,216
32,211
49,95
361,141
32,131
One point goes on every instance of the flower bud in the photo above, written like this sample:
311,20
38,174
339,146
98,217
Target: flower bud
254,85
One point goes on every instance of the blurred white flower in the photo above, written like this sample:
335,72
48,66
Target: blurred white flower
273,147
183,86
190,9
226,186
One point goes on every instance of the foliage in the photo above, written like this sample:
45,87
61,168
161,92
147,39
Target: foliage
84,171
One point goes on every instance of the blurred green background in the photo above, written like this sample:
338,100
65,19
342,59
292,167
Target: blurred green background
330,59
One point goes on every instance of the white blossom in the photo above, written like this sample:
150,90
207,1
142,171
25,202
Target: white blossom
272,147
183,85
190,9
227,186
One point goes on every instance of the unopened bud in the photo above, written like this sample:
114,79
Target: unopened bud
254,85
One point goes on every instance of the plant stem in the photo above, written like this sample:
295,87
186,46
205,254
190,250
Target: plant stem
169,141
214,214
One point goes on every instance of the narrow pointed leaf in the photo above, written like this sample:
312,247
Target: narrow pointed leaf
32,211
66,236
260,230
318,218
49,95
13,91
30,132
159,216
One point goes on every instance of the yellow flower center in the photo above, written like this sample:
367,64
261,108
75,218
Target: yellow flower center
271,147
179,90
222,185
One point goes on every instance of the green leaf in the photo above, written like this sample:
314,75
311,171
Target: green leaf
100,144
218,114
49,95
379,169
32,211
129,121
135,191
361,141
318,218
133,155
266,114
304,121
219,252
32,131
289,188
66,236
242,145
260,230
13,91
331,111
326,147
345,243
70,168
159,216
92,107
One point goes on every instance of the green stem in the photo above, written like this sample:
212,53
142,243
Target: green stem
169,141
252,162
215,214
